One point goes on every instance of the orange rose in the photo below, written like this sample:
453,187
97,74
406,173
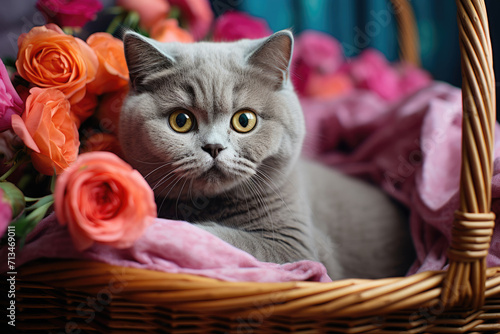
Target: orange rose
327,86
112,73
103,142
47,129
49,58
168,30
109,110
102,199
84,109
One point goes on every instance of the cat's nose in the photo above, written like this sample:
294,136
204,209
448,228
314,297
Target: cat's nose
213,149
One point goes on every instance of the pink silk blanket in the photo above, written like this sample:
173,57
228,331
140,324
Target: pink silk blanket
411,149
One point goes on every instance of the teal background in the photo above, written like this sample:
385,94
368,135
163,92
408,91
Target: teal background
344,19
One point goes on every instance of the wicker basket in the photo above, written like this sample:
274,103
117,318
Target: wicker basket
52,295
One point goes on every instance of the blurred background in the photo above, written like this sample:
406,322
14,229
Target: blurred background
346,20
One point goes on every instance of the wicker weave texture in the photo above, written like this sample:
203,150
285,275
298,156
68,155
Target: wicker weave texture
128,300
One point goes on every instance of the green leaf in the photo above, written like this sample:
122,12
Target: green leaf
41,202
27,223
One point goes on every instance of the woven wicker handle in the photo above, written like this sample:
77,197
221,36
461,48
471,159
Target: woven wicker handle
473,226
409,44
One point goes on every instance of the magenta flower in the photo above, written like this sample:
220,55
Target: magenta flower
69,13
10,102
233,26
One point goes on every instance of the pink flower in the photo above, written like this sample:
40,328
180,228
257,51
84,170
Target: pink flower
10,102
69,13
150,11
102,199
315,54
371,71
232,26
412,79
198,15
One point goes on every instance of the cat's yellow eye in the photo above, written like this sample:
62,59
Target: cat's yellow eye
181,121
244,121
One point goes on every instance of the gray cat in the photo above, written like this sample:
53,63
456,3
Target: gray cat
217,130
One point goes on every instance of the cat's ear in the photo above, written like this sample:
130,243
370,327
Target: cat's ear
143,58
273,56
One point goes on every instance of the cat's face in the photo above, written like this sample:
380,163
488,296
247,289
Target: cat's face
204,118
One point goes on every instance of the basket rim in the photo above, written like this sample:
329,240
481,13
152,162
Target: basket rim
185,292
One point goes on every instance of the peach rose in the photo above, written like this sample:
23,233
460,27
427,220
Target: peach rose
49,58
84,109
47,129
102,199
112,73
168,30
150,11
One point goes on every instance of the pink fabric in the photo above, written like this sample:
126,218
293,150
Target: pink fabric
411,149
170,246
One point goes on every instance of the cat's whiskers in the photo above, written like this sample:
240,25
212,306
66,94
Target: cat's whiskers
271,184
147,162
255,193
265,206
165,178
286,178
176,180
240,186
188,168
157,168
189,194
178,197
249,189
263,164
238,168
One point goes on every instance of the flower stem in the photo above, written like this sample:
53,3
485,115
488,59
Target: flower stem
13,168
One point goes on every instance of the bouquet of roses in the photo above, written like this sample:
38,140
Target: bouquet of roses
59,111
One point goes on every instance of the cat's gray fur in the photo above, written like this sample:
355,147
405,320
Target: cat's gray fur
257,194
